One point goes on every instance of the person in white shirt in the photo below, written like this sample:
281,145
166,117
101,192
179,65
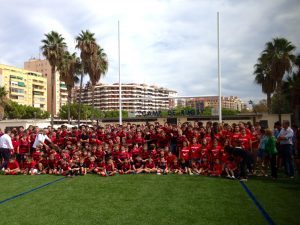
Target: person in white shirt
5,147
40,139
285,137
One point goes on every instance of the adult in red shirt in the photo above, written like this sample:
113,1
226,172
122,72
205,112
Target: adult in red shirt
235,135
245,140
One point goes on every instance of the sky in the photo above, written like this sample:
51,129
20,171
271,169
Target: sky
169,43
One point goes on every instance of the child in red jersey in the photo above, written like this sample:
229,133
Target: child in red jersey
126,167
29,167
204,167
195,148
82,167
150,166
216,168
53,164
215,151
175,167
23,149
170,158
101,168
139,139
43,164
205,150
136,151
91,165
145,153
13,167
16,144
138,165
235,135
230,167
110,168
185,153
162,167
194,167
123,155
64,167
100,154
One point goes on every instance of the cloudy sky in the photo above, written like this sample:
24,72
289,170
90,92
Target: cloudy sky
170,43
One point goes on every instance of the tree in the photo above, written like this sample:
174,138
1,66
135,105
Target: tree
280,57
3,101
69,67
86,111
261,106
13,110
87,45
99,69
291,90
93,58
263,77
53,49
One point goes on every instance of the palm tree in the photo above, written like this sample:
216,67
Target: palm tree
291,90
86,42
263,77
69,68
99,68
3,101
53,49
94,60
280,57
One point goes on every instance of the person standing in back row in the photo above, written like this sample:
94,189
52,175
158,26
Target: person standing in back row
5,147
285,137
270,147
40,140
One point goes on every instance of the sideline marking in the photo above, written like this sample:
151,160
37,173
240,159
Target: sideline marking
31,190
261,209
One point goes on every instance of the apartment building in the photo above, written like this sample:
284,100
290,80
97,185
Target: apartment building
60,90
231,102
107,97
24,87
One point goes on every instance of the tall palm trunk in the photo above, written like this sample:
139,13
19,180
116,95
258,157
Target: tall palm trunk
269,102
279,91
93,102
52,94
69,104
79,105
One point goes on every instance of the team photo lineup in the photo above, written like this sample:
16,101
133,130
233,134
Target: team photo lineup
235,151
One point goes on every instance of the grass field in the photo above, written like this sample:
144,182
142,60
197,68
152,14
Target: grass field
147,199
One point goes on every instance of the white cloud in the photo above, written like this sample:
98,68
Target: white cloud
168,43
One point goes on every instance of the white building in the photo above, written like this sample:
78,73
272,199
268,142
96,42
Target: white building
107,97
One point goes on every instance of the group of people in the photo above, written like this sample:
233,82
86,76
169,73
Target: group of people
211,149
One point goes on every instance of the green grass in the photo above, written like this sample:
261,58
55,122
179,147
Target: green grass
146,199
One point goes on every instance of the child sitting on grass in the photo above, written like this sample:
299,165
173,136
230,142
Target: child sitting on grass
13,167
